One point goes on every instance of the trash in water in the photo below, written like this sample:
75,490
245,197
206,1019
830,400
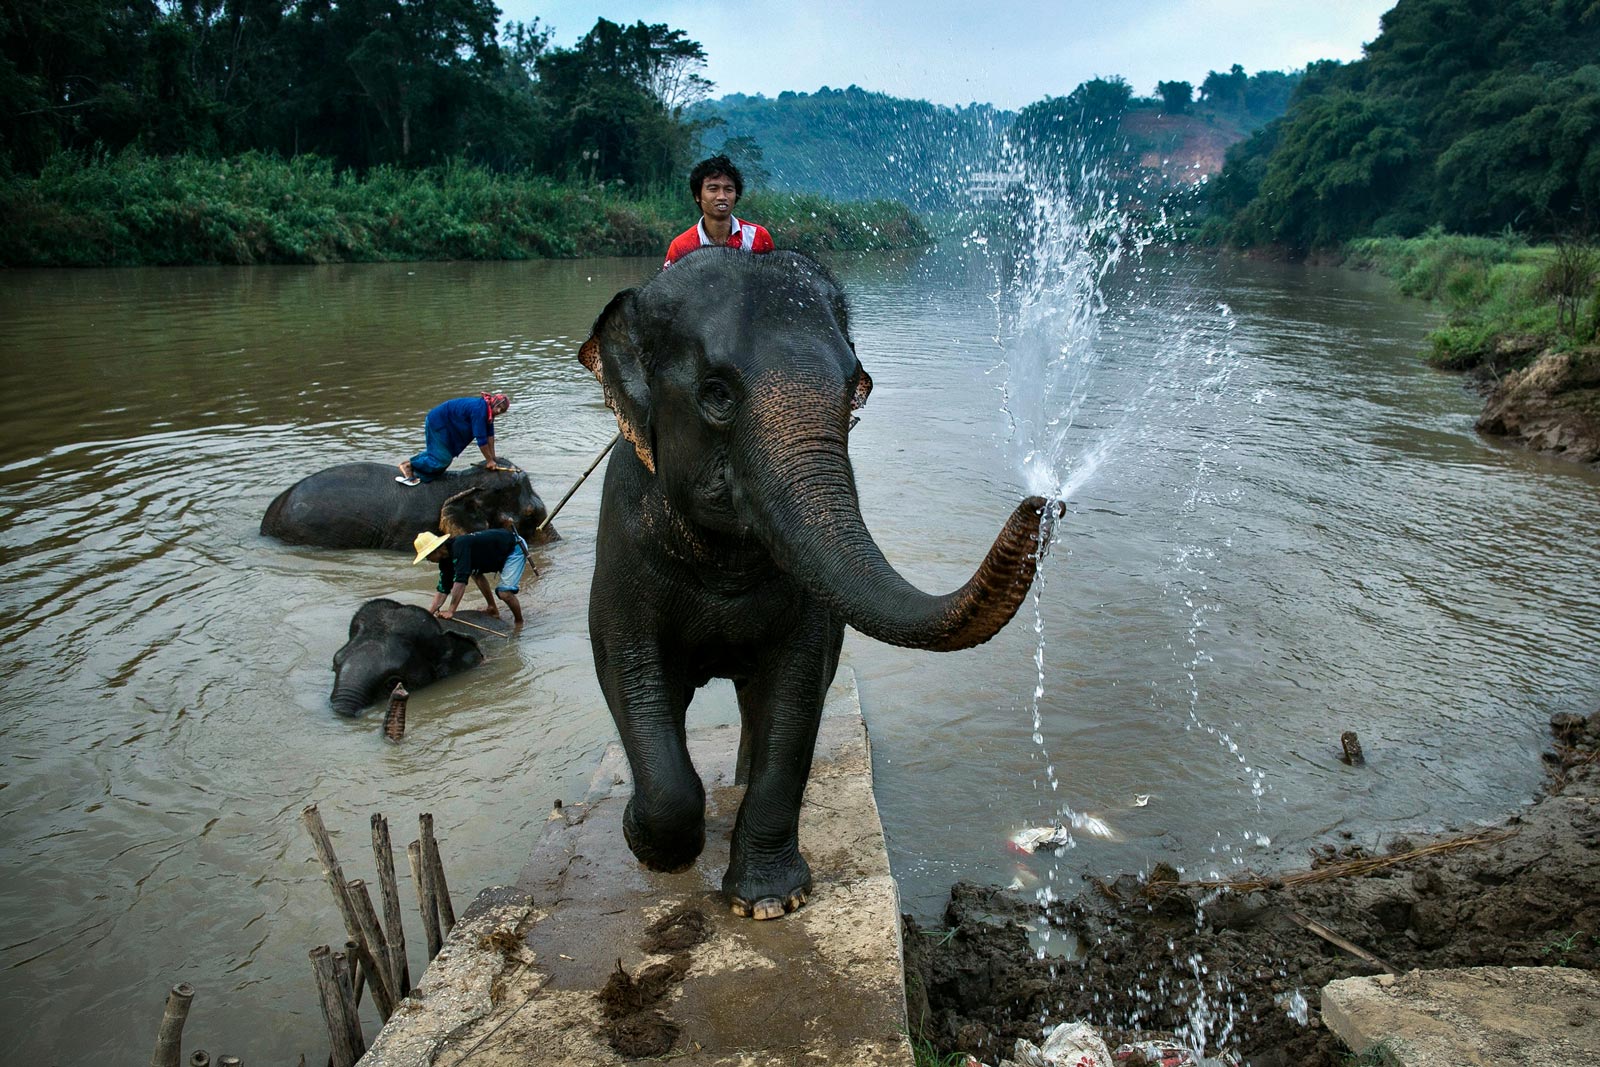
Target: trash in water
1036,837
1141,799
1165,1050
1075,1045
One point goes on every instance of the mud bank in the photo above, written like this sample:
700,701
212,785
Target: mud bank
1553,404
1242,967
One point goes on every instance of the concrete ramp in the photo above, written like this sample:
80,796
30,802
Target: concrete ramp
591,959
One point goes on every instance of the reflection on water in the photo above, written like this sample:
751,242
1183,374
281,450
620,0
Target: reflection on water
1324,545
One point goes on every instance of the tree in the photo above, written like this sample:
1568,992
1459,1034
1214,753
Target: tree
1225,91
1175,96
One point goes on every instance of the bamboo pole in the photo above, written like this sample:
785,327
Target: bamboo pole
199,1058
430,912
342,1053
347,991
362,963
169,1038
331,869
389,889
376,947
352,950
229,1061
441,889
581,479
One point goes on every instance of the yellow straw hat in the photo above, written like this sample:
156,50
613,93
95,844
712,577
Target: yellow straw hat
425,544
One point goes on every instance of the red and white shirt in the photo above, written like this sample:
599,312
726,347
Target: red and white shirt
745,235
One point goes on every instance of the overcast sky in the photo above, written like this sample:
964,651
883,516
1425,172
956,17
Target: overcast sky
960,51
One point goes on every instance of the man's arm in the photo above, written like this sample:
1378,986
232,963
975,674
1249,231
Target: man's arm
487,448
457,591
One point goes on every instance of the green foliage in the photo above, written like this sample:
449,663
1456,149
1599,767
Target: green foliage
1175,96
135,209
1463,114
924,1054
1500,302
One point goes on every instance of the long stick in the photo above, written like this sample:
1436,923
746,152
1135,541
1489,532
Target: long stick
362,963
580,481
169,1039
344,978
441,889
333,1013
331,869
421,878
389,889
475,626
1333,938
376,948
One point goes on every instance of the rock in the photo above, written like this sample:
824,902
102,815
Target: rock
1553,404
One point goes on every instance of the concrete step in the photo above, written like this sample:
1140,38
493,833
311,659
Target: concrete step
519,980
1494,1016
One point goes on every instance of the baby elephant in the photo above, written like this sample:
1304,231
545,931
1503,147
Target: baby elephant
392,642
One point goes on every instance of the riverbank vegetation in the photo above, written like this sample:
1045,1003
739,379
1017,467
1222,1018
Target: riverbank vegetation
1505,300
134,209
280,131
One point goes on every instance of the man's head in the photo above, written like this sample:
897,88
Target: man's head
716,186
430,546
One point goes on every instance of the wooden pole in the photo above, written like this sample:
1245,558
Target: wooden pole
362,963
347,991
581,479
333,1014
169,1038
376,948
441,889
430,911
199,1058
331,869
352,950
389,889
229,1061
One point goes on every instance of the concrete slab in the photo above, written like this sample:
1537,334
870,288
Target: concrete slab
1492,1016
519,979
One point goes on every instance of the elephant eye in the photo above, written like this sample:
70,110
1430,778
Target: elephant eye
716,399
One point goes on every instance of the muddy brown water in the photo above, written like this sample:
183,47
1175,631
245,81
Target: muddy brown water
1322,544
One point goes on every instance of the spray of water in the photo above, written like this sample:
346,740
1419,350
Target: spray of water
1064,232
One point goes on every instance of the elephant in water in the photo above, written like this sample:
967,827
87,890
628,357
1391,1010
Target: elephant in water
392,642
360,505
731,545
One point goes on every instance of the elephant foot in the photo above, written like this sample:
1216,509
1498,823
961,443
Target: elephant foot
768,907
667,847
767,891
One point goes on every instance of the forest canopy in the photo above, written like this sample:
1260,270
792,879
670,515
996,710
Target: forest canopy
1470,115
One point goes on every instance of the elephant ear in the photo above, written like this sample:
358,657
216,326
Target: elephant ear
862,390
613,355
458,654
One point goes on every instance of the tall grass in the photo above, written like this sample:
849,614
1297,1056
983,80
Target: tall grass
136,210
1504,299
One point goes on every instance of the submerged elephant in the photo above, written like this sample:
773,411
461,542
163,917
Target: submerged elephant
731,545
360,505
392,642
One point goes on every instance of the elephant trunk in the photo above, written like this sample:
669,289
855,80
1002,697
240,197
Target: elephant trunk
348,700
803,505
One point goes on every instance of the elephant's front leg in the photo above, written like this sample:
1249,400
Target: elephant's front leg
665,821
781,707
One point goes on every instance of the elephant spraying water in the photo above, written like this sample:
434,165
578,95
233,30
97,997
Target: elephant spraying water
731,545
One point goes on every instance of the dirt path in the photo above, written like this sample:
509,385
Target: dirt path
1237,967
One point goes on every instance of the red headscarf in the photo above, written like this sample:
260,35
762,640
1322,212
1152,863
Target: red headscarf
496,398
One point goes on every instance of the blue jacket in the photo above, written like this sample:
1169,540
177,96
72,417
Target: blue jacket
462,421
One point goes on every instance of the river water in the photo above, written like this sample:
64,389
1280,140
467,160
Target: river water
1298,534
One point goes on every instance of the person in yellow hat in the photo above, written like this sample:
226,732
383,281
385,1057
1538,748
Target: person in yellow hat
471,556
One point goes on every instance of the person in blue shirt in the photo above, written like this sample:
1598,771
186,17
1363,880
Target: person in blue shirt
448,429
467,557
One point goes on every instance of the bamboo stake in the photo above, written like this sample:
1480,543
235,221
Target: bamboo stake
200,1058
347,992
441,889
362,963
375,949
169,1038
331,869
389,889
229,1061
352,950
342,1053
1334,939
430,911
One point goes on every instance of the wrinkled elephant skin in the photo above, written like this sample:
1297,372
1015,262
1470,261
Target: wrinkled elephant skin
731,545
360,505
392,642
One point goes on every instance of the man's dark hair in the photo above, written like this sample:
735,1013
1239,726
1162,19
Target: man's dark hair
710,168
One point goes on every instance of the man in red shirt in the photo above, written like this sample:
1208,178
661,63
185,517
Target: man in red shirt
716,185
